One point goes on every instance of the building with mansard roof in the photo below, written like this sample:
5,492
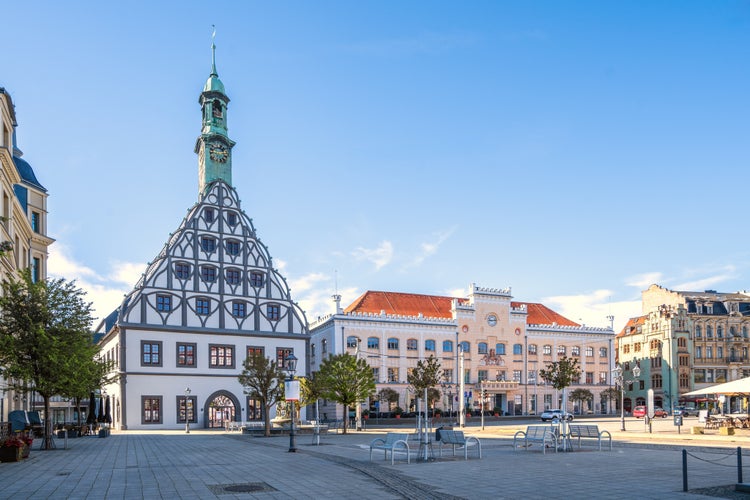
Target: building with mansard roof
23,233
684,341
209,299
505,343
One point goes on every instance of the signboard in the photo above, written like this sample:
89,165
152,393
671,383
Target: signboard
291,390
678,420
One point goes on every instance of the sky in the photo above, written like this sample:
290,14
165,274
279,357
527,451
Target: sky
576,152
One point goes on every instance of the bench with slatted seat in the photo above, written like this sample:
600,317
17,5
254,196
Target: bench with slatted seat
457,439
589,432
542,434
393,442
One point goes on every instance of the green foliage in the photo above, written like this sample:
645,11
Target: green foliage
581,395
346,380
425,375
45,340
263,380
611,394
562,373
433,396
389,395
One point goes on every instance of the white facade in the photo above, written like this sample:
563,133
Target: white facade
209,298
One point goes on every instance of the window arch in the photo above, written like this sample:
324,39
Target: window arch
482,347
411,345
465,347
352,341
429,345
393,343
500,349
447,346
373,343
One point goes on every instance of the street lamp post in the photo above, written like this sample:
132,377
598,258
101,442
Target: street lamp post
619,377
187,412
290,366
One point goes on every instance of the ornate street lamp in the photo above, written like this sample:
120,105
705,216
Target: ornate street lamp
619,377
187,413
290,367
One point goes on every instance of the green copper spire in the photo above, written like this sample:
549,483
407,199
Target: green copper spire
214,148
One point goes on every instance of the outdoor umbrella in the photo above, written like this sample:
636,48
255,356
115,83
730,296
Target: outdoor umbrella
91,417
734,388
101,409
107,412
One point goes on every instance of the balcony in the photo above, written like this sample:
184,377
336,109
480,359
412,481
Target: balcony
499,385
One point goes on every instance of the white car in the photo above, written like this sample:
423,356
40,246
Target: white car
556,414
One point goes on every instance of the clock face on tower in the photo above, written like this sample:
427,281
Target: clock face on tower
218,152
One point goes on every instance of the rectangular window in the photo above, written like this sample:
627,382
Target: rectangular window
602,352
589,377
532,349
482,375
373,343
500,349
516,375
231,218
561,350
221,356
710,376
603,378
233,247
150,353
547,350
36,270
253,350
35,222
531,377
448,374
281,355
182,270
517,348
256,279
186,409
202,305
233,276
209,214
208,244
392,374
447,346
393,344
589,352
186,354
376,374
273,312
575,350
238,309
151,409
163,302
411,345
698,352
709,352
208,273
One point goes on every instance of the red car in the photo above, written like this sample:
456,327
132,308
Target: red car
640,412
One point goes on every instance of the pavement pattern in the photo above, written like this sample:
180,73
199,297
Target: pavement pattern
215,464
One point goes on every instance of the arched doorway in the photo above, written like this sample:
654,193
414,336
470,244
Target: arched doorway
221,407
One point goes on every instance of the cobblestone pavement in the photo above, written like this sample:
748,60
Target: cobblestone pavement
212,464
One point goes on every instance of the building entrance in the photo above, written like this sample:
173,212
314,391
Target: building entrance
220,411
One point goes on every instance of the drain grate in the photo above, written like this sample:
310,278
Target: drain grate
63,473
219,489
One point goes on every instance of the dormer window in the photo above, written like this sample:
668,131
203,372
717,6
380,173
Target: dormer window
208,244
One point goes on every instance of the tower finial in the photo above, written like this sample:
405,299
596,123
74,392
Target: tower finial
213,52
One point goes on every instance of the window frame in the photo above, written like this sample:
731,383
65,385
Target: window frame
202,306
237,307
233,354
160,353
160,409
194,347
192,402
163,302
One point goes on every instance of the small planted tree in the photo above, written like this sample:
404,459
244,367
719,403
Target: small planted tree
611,394
347,381
263,380
561,374
389,396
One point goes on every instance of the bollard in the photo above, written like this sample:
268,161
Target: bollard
739,464
684,470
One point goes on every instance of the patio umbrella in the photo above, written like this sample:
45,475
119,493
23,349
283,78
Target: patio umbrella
91,417
101,409
107,412
735,388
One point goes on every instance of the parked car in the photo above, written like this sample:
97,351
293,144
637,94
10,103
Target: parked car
686,411
640,412
556,414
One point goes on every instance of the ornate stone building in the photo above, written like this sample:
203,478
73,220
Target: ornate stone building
209,299
505,343
23,227
685,341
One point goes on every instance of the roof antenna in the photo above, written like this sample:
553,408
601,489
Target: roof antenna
336,297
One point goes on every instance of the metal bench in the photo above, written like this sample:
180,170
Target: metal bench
392,441
542,434
589,432
457,439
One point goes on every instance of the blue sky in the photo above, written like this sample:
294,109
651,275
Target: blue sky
574,151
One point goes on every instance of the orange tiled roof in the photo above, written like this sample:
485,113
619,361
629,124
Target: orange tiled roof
539,314
632,325
436,306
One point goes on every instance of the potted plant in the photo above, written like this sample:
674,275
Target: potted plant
27,441
497,411
438,412
398,411
366,414
11,449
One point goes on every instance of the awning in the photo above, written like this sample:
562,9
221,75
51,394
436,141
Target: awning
733,388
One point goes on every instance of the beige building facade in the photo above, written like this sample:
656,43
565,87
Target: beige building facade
23,231
504,344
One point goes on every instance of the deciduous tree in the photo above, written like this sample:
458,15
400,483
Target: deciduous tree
263,380
347,381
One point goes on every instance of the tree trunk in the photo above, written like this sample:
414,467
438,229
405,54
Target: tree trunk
77,402
346,417
266,419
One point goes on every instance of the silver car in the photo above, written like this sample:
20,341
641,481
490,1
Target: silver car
556,414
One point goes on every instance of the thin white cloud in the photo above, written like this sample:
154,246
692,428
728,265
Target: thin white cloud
429,249
104,293
380,256
643,281
593,309
705,283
